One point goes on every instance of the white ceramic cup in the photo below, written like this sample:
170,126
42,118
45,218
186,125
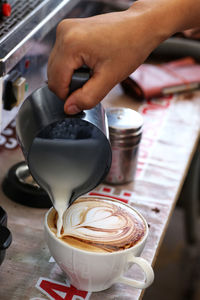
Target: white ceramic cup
97,271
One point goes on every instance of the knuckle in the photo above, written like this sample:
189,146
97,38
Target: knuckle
59,28
70,32
64,25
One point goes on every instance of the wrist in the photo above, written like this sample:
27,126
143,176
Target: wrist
168,16
156,17
144,29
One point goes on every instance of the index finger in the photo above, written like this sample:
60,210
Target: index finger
59,75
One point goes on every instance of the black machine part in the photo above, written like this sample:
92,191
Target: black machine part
5,235
19,186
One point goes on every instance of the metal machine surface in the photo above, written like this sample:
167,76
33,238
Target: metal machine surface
26,37
27,34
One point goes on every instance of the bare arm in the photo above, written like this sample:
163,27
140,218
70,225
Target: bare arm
113,45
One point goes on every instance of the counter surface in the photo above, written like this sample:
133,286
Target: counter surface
170,136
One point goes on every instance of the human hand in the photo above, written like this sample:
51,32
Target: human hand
112,45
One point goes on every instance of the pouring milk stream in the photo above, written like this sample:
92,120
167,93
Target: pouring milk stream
66,155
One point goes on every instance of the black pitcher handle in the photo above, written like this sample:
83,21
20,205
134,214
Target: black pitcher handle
79,78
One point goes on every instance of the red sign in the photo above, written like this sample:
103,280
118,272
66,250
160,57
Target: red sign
58,291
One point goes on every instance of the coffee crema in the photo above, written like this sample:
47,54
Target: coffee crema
99,225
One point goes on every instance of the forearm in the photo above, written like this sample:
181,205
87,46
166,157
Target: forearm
170,15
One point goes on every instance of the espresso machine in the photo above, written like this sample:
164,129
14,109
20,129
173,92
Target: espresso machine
27,35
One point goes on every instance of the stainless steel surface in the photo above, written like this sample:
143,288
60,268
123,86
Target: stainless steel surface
124,121
34,27
25,48
24,176
21,10
42,127
125,129
43,108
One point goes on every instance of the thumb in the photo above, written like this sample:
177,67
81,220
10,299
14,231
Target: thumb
92,92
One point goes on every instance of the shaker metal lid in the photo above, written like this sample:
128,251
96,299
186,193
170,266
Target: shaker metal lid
123,120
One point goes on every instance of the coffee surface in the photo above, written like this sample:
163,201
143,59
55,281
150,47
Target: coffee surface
99,225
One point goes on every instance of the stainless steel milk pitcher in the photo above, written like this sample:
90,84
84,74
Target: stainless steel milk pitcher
42,117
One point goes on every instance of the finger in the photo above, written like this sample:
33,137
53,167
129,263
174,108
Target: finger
91,93
59,76
61,66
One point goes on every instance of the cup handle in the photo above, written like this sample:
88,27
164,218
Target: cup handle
147,269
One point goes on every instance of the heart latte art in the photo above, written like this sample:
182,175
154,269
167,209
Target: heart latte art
99,225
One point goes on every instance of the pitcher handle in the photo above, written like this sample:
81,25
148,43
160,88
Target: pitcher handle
79,78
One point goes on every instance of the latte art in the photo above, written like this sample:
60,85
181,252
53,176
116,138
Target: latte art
100,225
